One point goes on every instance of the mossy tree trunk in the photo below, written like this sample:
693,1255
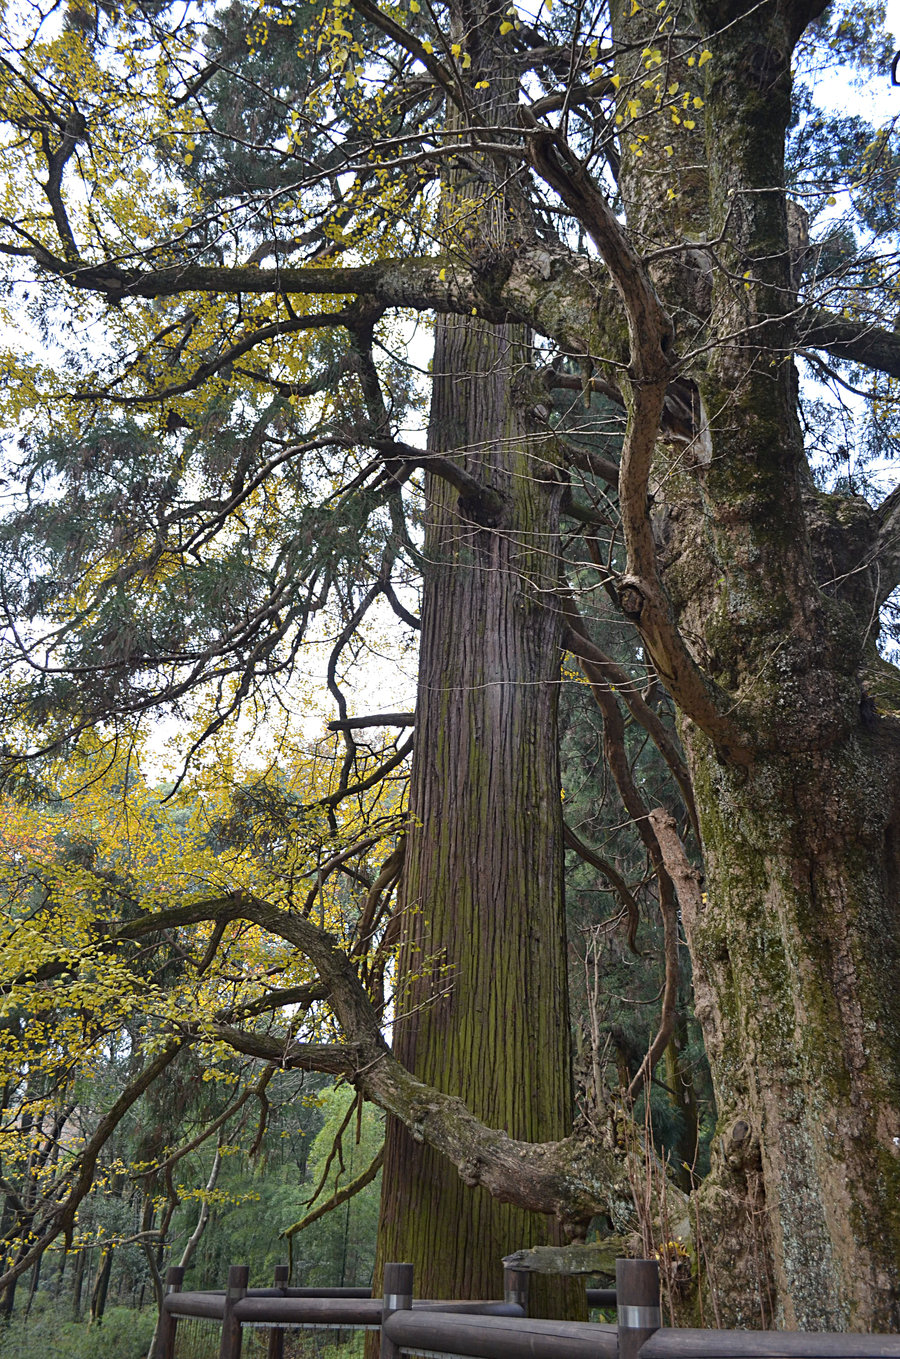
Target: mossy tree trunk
795,941
796,962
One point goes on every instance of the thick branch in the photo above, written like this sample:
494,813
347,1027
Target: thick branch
572,1180
337,1059
685,877
858,341
650,371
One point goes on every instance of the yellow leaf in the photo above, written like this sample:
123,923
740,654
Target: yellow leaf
466,61
428,47
615,81
456,48
690,124
705,56
506,26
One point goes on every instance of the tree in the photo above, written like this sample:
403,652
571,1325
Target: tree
245,208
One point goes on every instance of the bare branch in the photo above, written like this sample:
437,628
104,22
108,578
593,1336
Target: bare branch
580,645
339,1196
617,882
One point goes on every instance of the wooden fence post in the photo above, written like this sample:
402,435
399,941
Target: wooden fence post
398,1287
637,1304
515,1287
230,1345
165,1327
276,1333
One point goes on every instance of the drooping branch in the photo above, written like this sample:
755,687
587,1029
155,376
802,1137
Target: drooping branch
339,1196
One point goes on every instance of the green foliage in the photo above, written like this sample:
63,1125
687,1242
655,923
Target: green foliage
124,1334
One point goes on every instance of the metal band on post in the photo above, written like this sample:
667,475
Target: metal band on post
276,1333
637,1299
230,1344
515,1288
398,1288
165,1327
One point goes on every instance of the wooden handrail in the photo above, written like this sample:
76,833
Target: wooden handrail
492,1330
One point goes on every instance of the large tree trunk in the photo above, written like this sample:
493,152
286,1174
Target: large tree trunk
482,999
796,959
795,942
482,972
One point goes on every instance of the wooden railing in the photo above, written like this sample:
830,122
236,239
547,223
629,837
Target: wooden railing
492,1329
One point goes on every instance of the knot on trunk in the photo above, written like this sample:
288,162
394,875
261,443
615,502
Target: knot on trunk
631,600
741,1149
491,267
483,507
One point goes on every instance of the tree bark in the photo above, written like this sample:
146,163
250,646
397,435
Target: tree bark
795,942
482,1005
482,1000
795,964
